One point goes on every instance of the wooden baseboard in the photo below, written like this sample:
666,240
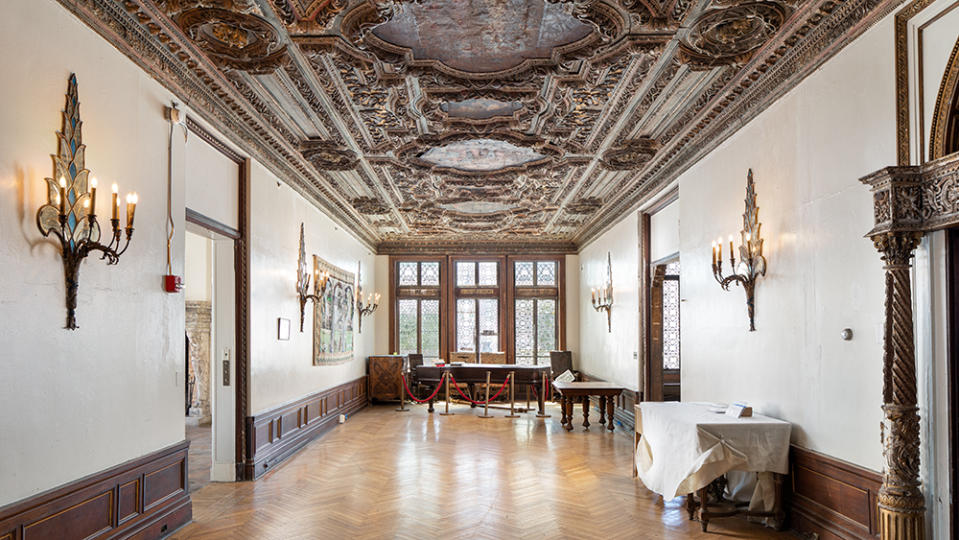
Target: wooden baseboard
624,411
275,434
144,498
832,498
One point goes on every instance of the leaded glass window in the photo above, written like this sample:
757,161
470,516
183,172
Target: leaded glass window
489,325
546,273
525,332
487,274
466,324
408,274
523,273
465,274
409,325
671,317
535,330
430,328
545,329
430,274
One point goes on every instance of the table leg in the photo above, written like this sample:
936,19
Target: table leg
635,447
703,507
472,392
569,413
691,506
562,407
602,409
779,522
430,409
610,409
586,412
541,402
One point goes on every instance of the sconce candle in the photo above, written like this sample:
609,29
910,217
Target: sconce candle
752,263
77,229
131,209
605,301
116,203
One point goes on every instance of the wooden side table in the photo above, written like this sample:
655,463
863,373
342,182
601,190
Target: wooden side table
385,374
570,391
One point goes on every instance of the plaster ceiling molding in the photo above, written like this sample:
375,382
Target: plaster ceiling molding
328,155
466,154
370,206
731,35
631,154
234,40
584,206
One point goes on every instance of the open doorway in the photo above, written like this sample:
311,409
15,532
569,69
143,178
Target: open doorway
210,341
664,338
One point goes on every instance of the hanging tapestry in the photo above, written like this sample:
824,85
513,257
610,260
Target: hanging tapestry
333,315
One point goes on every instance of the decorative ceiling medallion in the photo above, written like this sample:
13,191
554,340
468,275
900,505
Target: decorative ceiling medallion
631,154
480,36
370,206
731,35
328,155
477,207
480,155
490,156
480,109
234,40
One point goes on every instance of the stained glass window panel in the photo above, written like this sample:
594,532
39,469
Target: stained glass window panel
487,274
525,341
430,328
489,324
671,324
407,274
672,269
430,274
545,329
465,274
546,273
523,273
466,324
407,325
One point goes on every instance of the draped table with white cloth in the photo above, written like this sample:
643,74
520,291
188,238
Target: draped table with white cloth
681,448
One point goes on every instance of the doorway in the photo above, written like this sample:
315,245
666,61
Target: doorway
210,306
664,336
952,320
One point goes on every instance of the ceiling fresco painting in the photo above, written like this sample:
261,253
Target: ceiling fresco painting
479,124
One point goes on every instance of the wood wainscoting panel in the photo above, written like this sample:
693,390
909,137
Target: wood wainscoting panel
275,434
624,411
832,498
143,498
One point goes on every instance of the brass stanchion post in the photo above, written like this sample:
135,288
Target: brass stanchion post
512,396
402,397
486,405
447,412
542,400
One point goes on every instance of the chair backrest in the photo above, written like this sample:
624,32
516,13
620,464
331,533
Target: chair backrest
415,360
492,358
459,356
560,361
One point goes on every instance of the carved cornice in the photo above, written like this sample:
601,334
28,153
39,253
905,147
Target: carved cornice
445,247
915,198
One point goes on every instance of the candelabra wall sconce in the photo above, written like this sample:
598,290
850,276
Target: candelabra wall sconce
70,212
364,308
603,296
303,281
752,264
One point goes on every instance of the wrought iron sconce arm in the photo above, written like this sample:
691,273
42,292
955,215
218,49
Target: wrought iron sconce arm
70,211
365,309
303,281
752,263
602,298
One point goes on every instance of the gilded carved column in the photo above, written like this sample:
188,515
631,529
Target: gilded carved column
901,504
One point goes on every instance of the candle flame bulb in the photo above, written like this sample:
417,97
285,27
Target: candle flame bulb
93,182
115,188
63,182
86,203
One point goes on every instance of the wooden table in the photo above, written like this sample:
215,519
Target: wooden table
570,391
476,373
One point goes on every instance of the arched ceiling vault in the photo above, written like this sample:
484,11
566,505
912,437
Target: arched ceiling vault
479,124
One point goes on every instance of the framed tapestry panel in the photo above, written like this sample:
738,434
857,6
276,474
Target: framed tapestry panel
333,315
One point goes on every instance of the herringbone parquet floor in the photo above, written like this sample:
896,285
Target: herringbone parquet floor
411,475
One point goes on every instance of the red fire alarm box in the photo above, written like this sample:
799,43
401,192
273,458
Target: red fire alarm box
172,284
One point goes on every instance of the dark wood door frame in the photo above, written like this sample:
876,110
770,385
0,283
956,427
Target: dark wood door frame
952,322
645,288
241,262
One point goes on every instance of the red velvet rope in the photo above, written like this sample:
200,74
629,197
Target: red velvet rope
433,395
479,402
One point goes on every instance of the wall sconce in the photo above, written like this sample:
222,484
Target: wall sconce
367,308
70,212
303,281
752,264
603,297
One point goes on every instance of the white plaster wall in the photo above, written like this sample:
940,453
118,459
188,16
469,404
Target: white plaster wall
938,38
198,268
77,402
381,344
807,153
604,354
664,232
573,306
213,188
283,371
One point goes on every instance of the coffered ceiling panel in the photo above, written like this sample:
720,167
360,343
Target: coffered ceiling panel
479,124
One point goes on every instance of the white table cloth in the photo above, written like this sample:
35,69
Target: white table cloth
685,446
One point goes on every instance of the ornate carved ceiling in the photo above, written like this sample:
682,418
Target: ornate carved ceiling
479,124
